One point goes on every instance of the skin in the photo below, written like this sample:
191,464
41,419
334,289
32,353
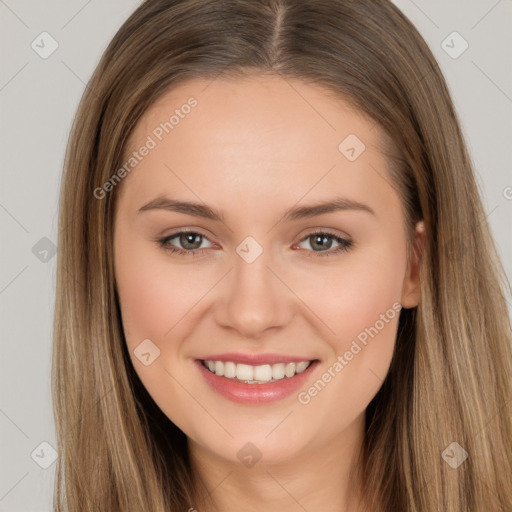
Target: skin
252,148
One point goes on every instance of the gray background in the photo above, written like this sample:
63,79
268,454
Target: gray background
38,99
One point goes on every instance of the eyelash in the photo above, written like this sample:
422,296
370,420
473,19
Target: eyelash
344,244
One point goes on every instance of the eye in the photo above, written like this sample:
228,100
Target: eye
190,242
322,242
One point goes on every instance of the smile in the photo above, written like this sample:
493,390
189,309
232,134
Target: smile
256,384
260,374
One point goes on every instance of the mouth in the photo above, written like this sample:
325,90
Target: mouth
256,374
256,384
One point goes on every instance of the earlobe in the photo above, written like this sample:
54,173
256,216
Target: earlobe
411,286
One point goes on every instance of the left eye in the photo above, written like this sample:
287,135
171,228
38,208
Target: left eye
321,242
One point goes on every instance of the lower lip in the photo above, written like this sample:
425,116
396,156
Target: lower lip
255,393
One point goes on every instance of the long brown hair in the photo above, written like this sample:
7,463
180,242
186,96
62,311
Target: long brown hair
449,380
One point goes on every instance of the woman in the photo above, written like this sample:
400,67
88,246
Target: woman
266,298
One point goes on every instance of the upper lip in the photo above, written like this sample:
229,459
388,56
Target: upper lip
256,359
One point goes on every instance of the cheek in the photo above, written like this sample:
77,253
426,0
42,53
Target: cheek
352,294
360,302
154,295
156,299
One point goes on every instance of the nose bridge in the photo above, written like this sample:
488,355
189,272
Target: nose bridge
255,300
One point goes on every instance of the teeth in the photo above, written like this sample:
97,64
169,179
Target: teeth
219,368
256,374
278,371
244,372
263,372
229,370
289,371
301,366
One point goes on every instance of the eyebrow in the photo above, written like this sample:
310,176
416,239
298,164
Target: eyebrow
295,213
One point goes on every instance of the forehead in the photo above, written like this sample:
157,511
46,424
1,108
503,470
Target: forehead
249,135
254,106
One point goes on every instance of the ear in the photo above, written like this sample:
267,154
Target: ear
411,285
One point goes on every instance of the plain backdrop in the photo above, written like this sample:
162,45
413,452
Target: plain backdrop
38,99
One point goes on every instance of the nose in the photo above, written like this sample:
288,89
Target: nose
254,298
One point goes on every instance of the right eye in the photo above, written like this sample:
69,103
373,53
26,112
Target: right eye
190,242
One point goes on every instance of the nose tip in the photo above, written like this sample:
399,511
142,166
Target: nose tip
254,300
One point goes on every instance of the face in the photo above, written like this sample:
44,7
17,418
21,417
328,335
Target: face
255,274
